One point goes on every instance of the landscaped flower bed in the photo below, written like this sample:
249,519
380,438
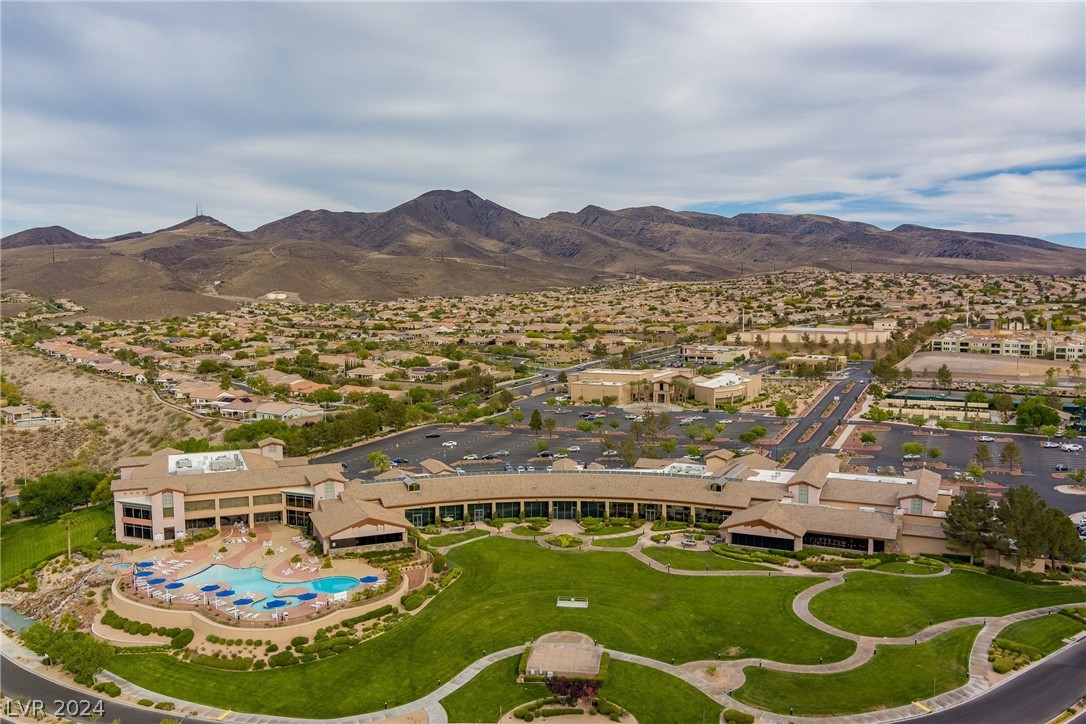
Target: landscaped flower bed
564,541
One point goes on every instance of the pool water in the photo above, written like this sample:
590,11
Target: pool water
252,580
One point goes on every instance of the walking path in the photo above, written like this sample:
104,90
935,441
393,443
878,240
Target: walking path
730,677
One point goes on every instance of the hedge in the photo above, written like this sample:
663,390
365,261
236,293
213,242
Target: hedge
734,716
605,662
564,711
412,601
183,639
241,663
283,658
522,668
108,688
375,613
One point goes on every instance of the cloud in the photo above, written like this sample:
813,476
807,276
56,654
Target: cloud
965,115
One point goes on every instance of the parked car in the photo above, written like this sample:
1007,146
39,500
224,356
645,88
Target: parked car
472,456
530,468
559,456
488,456
631,417
449,443
521,468
550,469
610,453
1071,447
1050,443
501,453
574,448
433,434
343,467
460,471
1061,468
546,454
986,438
910,456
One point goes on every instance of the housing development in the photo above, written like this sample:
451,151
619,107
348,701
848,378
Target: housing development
817,495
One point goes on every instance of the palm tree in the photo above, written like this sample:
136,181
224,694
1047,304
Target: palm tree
68,521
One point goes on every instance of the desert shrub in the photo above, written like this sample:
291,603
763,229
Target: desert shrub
734,716
145,629
259,664
165,705
283,658
1003,664
563,711
299,641
182,639
413,600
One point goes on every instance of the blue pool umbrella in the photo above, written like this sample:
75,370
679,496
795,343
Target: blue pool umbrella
144,574
368,579
227,592
145,564
209,587
243,602
156,581
277,603
172,586
307,597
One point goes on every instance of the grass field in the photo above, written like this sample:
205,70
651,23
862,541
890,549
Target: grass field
492,693
626,541
1045,633
653,696
440,541
895,676
505,597
528,532
874,605
610,530
910,569
27,544
698,560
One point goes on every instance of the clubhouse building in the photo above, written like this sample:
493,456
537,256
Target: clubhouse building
172,494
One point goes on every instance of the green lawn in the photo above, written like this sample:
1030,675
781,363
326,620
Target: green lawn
528,532
492,693
440,541
27,544
910,569
895,676
610,530
874,605
698,560
1046,633
626,541
653,696
506,596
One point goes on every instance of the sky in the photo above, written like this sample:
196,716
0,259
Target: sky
126,116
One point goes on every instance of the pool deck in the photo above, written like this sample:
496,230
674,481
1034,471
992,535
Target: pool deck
246,551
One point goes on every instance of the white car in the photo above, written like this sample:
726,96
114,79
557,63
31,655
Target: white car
610,453
473,456
559,456
986,438
1050,443
1071,447
631,417
574,448
449,443
500,453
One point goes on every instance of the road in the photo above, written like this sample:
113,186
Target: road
17,681
1038,694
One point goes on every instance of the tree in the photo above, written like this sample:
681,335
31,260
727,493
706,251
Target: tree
877,414
753,434
782,408
1062,538
975,469
627,451
636,430
517,415
868,438
607,442
584,426
535,424
608,400
379,461
68,520
982,455
693,451
669,446
1011,455
550,423
912,448
917,420
934,453
541,445
1035,413
562,378
969,524
663,422
943,377
1049,430
1003,404
1021,520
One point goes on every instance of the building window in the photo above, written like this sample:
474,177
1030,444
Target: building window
142,532
916,506
273,517
239,502
273,499
167,504
803,494
295,500
136,511
329,490
199,505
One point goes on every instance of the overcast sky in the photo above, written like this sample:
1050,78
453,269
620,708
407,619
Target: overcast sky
122,117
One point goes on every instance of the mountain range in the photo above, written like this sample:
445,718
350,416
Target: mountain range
449,243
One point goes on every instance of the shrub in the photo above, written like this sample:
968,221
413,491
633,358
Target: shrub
1003,664
259,664
299,641
563,711
182,639
413,600
734,716
145,629
145,702
108,688
240,663
165,705
272,648
283,658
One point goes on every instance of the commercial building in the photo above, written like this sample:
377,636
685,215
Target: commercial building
878,332
828,362
626,386
699,355
726,388
967,341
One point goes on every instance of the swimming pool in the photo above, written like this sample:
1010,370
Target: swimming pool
252,580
